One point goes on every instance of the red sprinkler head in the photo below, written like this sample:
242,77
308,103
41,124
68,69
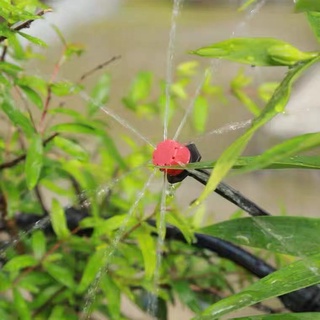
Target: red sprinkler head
170,153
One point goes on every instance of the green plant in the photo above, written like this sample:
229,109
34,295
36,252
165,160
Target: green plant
104,246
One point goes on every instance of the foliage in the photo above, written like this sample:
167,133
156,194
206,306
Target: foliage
74,261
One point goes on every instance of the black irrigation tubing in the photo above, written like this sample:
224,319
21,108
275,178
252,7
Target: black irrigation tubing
230,194
303,300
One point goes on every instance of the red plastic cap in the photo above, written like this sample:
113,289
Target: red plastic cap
170,153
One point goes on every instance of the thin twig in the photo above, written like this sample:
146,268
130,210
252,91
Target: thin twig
25,24
17,160
100,66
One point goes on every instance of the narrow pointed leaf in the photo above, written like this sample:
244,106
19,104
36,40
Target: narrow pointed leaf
283,316
58,220
61,274
100,94
20,262
148,249
16,116
256,51
32,39
34,161
276,104
21,305
93,266
297,275
314,21
289,235
285,149
71,148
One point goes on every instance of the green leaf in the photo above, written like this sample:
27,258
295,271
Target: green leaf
283,150
16,116
288,235
57,313
314,21
200,114
283,316
139,90
237,88
64,88
186,295
297,275
32,39
148,249
58,220
61,274
301,162
34,161
91,269
71,148
256,51
38,242
21,305
32,96
113,295
9,68
276,104
74,127
307,5
20,262
100,94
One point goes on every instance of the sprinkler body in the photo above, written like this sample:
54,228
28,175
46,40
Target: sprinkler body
172,153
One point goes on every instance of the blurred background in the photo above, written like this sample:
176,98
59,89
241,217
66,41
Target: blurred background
138,30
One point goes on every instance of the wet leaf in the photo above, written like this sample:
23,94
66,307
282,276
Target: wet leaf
289,235
276,104
21,305
283,316
61,274
148,249
266,90
297,275
38,242
71,148
100,94
256,51
34,161
200,114
20,262
58,220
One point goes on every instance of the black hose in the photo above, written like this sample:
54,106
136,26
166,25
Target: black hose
230,194
307,299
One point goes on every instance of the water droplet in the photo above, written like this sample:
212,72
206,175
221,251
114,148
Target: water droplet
243,239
